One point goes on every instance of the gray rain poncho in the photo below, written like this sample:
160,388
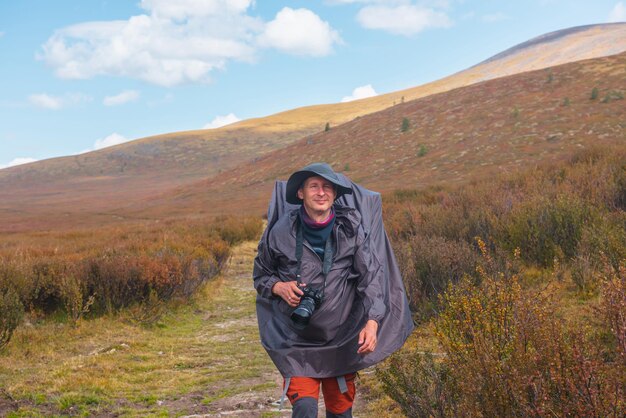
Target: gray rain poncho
363,283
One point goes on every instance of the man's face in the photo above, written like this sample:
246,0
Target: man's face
317,194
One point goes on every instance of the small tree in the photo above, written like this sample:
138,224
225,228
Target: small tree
327,127
594,94
422,151
405,125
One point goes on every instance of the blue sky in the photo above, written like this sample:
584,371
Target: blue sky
79,75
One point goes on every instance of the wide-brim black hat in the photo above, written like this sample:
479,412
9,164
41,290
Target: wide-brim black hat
315,169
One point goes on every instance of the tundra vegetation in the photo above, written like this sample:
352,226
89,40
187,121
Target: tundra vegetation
521,284
131,320
518,284
94,272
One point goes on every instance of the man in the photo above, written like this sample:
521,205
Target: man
330,299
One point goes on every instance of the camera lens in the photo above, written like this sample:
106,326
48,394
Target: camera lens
302,314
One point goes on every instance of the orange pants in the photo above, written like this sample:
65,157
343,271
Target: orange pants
309,387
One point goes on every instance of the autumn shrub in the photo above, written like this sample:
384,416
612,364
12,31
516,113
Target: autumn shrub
76,302
148,311
421,385
120,280
612,309
570,212
11,313
511,354
44,275
95,271
233,229
508,352
432,263
545,229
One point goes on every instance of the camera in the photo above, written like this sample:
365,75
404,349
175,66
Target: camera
309,301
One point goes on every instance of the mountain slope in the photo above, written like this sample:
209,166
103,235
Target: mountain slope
63,190
467,134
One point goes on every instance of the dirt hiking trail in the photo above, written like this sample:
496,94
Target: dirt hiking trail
235,298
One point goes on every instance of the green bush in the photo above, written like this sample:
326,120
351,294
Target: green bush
545,229
405,125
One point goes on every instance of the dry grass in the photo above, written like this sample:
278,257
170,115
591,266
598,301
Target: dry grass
201,357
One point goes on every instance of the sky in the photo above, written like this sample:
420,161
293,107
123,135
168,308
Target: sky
81,75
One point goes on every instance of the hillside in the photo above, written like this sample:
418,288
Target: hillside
70,191
463,135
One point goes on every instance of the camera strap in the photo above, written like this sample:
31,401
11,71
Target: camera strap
328,254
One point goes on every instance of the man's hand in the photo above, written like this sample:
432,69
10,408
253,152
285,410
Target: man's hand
368,338
289,292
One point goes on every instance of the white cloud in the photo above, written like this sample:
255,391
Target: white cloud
495,17
361,93
184,9
177,42
618,13
124,97
299,32
406,19
109,141
18,161
220,121
47,101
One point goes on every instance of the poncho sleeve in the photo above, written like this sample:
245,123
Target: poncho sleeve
370,286
265,273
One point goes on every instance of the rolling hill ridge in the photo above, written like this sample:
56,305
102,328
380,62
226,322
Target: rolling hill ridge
113,184
468,134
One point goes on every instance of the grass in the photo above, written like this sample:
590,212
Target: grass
201,352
